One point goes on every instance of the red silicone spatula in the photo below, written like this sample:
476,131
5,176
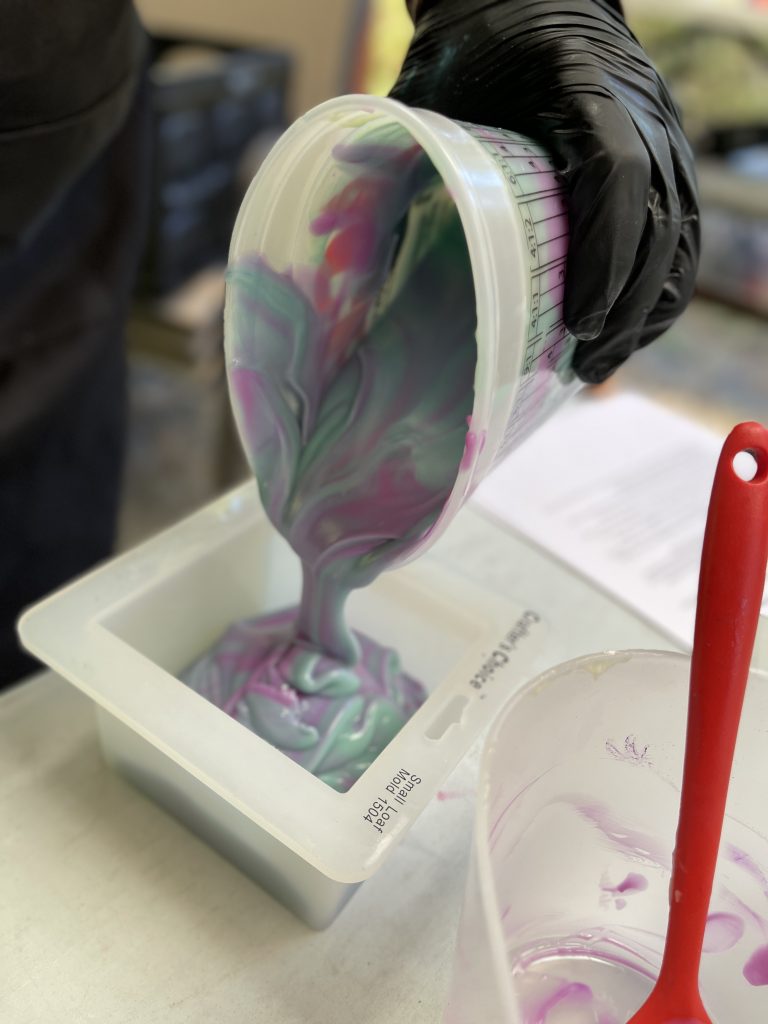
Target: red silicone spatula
731,583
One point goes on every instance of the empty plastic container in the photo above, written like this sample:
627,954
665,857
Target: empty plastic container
566,904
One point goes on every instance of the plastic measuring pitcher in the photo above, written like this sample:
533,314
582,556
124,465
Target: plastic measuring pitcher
331,199
566,905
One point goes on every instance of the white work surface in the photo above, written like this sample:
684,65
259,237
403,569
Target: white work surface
112,912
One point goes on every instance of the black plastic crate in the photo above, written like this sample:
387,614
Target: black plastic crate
209,104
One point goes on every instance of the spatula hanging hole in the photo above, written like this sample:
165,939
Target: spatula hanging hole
745,465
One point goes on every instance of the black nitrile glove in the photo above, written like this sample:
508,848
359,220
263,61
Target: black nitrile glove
570,74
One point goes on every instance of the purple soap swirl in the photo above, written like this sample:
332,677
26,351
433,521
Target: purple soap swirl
352,385
333,719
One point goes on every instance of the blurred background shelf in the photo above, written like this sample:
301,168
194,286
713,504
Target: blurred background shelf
712,365
182,445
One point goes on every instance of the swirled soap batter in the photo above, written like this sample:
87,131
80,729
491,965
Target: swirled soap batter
332,717
352,383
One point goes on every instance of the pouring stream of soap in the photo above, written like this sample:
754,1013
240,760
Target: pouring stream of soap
731,583
353,393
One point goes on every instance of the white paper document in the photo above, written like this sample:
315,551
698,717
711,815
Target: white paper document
618,489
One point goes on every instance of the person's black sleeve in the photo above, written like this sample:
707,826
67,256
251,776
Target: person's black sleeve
571,75
68,73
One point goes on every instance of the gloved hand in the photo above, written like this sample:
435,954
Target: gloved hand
570,74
